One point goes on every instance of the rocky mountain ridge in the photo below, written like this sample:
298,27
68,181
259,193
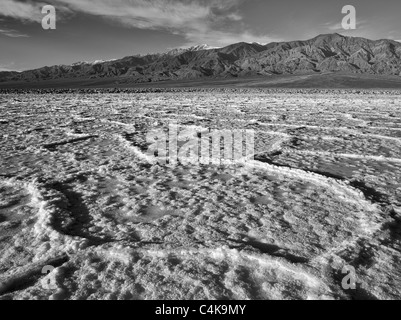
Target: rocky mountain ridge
324,53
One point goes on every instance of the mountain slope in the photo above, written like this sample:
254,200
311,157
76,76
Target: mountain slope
324,53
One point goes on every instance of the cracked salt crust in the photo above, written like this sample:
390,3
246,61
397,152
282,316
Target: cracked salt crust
118,225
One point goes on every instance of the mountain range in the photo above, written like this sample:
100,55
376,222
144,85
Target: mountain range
320,55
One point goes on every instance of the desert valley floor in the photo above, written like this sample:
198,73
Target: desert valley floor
80,193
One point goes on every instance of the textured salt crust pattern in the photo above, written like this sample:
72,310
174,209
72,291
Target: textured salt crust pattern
80,192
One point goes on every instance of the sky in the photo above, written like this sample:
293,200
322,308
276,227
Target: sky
89,30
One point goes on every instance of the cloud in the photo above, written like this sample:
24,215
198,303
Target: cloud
337,26
333,26
224,38
29,11
216,22
175,15
26,11
13,33
6,67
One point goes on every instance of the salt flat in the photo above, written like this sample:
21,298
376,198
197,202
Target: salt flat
79,191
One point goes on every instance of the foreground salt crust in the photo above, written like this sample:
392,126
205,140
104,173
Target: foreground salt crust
80,192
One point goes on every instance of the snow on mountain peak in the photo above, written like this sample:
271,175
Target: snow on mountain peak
92,62
181,50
